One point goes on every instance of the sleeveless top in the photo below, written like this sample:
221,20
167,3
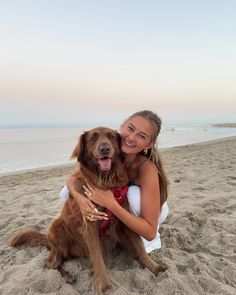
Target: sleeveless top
134,198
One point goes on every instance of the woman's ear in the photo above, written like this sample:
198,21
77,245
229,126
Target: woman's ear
151,145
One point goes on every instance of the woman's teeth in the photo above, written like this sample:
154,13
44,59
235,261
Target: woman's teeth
128,143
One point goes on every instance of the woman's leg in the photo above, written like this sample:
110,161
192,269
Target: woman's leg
134,196
164,213
64,194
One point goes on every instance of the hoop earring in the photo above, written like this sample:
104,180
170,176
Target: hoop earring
145,152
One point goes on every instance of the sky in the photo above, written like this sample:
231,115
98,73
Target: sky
77,62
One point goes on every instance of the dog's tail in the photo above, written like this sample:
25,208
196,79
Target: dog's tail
29,236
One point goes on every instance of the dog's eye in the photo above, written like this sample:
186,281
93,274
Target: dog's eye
110,135
93,138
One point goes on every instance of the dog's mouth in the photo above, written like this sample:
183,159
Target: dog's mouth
105,163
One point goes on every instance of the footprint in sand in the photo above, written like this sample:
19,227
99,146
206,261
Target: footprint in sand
199,188
177,180
181,268
28,205
231,183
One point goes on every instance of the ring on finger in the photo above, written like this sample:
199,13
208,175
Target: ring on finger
88,194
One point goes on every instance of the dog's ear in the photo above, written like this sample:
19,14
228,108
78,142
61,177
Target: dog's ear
75,152
78,151
82,142
119,139
120,154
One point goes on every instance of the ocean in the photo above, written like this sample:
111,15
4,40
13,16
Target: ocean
30,148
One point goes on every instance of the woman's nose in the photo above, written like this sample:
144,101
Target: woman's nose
131,137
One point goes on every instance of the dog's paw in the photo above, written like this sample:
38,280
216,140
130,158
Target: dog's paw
103,284
69,277
91,272
161,267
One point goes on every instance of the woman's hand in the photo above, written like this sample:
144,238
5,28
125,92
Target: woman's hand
98,196
88,209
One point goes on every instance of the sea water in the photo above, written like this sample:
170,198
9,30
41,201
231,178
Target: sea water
29,148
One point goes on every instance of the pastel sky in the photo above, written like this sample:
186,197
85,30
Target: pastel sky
71,62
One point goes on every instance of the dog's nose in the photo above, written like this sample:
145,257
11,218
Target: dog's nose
104,149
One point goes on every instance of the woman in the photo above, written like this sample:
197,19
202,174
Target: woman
147,192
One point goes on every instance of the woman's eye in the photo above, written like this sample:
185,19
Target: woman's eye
130,128
142,137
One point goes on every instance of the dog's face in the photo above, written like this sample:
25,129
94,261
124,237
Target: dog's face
98,147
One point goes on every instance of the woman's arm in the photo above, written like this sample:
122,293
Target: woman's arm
87,207
146,224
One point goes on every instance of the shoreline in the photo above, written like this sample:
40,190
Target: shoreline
71,164
48,167
225,125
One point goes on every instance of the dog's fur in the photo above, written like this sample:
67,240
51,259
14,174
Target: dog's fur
70,235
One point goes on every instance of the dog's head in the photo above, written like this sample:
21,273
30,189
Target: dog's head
98,148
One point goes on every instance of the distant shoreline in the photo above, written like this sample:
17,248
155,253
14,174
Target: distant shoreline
225,125
108,124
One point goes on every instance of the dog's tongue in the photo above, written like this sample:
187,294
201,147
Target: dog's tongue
105,164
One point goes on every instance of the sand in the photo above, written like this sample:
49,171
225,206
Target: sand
198,239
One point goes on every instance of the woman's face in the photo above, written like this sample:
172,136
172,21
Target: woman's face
136,135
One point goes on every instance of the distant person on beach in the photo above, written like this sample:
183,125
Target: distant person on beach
147,193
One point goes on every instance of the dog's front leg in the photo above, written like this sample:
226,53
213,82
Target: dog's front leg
92,239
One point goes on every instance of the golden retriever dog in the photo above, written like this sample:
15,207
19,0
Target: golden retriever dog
101,163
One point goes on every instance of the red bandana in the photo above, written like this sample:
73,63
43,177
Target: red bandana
120,194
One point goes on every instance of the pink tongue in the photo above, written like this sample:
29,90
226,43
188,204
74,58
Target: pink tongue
105,164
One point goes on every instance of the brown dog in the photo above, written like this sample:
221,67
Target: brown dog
102,164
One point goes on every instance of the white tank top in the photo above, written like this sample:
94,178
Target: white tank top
135,207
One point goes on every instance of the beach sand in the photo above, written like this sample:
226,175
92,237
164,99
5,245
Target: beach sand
198,239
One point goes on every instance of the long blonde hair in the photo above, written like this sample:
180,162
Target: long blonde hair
152,153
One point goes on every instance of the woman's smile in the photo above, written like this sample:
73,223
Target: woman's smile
128,144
